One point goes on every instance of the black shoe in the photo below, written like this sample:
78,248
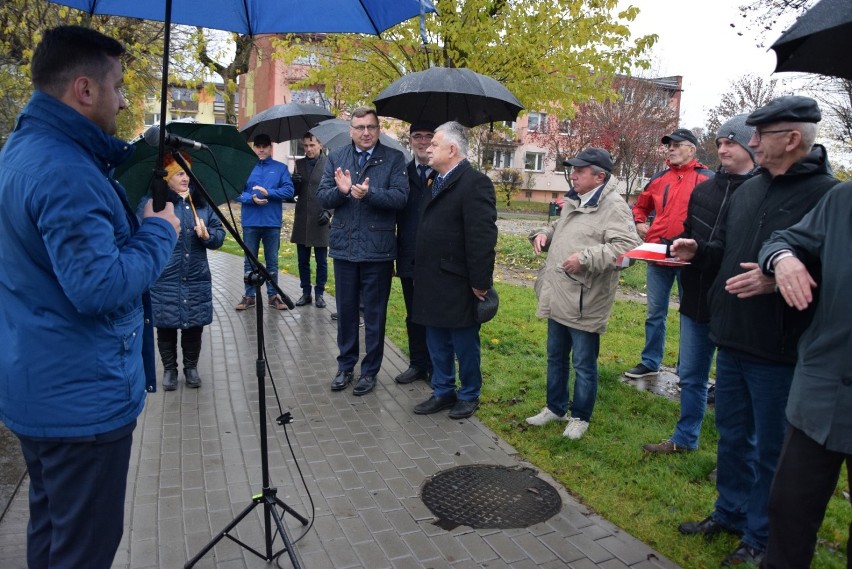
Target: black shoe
366,383
304,300
342,380
706,527
464,409
435,404
320,301
744,554
170,380
334,315
411,375
640,370
192,377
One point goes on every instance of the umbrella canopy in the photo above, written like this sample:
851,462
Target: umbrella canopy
442,94
817,41
334,133
285,122
229,155
253,17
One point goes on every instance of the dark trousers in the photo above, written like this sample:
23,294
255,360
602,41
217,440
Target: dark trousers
369,283
187,335
303,254
419,352
804,482
76,496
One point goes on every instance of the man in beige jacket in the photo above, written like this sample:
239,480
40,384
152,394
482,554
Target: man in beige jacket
576,287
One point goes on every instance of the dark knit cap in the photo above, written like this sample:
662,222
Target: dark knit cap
737,130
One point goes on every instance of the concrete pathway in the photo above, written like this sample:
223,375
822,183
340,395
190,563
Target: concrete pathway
196,464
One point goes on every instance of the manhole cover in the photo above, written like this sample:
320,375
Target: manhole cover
486,496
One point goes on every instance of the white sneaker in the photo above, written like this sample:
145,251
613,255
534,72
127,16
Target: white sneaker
544,417
576,428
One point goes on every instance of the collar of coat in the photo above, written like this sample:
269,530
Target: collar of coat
593,202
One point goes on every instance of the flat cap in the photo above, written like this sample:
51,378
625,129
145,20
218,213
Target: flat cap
592,157
680,135
790,108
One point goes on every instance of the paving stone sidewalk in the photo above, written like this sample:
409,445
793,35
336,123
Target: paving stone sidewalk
196,464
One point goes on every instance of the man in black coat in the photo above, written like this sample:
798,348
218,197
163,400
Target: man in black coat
310,221
755,331
420,177
707,207
453,269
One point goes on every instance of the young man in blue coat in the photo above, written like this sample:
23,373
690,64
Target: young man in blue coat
74,267
262,199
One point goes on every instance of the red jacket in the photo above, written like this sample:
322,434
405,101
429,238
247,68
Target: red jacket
667,194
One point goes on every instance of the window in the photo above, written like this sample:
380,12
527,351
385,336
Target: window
554,195
560,166
528,195
152,118
501,159
296,147
537,122
534,161
565,127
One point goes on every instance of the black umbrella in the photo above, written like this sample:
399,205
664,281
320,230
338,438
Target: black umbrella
285,122
228,153
442,94
334,133
819,41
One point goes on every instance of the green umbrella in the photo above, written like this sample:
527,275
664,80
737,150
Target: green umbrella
223,169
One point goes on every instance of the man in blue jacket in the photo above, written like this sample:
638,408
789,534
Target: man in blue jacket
74,267
263,196
365,183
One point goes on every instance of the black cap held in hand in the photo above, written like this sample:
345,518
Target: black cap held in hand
790,108
592,157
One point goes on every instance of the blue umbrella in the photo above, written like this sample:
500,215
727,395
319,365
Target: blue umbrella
252,17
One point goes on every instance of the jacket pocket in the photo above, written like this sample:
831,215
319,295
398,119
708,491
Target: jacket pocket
382,239
118,351
453,267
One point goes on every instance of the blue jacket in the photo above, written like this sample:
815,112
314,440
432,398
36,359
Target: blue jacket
275,177
74,264
182,297
363,230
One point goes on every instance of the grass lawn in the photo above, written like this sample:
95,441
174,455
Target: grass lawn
648,496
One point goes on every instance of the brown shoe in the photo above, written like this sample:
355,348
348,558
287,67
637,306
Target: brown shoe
277,303
246,302
668,446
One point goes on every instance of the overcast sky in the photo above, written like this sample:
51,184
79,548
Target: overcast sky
696,40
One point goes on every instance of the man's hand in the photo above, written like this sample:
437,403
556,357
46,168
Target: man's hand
751,283
794,282
479,293
538,243
572,265
167,213
683,249
642,228
343,179
259,201
263,191
360,190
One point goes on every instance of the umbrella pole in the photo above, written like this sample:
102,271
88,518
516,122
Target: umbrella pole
158,185
268,497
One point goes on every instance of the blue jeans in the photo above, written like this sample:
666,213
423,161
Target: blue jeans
751,396
659,285
564,346
696,357
303,254
444,345
271,238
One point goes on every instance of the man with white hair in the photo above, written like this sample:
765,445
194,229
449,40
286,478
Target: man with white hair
754,329
453,269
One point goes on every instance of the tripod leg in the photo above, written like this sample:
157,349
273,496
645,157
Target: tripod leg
221,534
291,511
271,501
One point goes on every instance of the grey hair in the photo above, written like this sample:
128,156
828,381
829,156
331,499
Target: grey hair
455,133
808,130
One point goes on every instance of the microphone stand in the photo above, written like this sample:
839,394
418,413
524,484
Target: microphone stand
268,497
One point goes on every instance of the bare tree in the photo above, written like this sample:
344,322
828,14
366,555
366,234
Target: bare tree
506,183
744,95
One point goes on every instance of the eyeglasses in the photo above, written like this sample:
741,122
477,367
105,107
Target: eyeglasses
363,127
677,145
425,136
759,133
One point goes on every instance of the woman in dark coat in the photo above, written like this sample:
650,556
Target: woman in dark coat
182,297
